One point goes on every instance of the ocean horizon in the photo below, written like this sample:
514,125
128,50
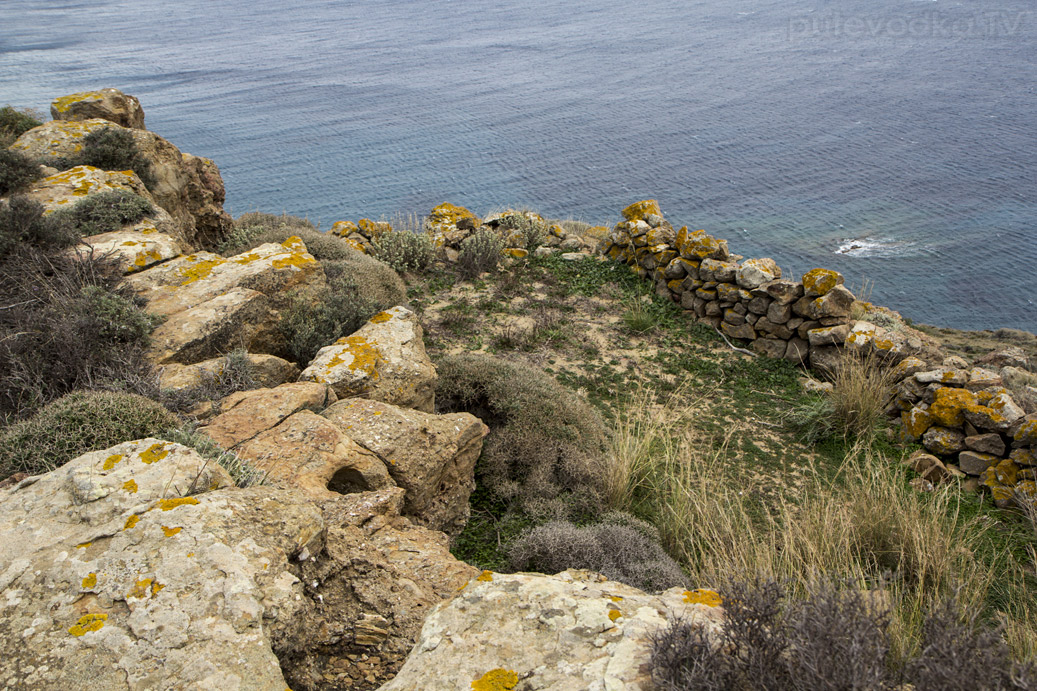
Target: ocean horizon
892,140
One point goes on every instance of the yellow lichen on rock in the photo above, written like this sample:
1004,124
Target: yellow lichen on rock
170,532
198,269
496,680
445,217
380,318
817,282
485,577
343,229
140,589
87,623
702,596
111,461
170,504
90,581
131,521
63,103
638,210
915,423
948,407
154,453
130,486
614,614
366,356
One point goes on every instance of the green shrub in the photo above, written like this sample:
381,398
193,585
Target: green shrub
113,148
234,373
479,252
405,251
106,211
18,121
16,170
532,231
545,451
253,229
243,473
77,423
22,223
620,547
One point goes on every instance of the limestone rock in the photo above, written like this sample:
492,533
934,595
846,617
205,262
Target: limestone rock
782,291
770,347
1009,356
309,452
831,335
245,414
827,359
755,272
270,371
64,189
190,188
431,456
974,463
576,631
835,303
818,282
990,443
108,104
743,331
137,587
929,467
135,248
639,210
943,441
384,360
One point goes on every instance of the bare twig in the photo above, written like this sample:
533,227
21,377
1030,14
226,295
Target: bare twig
733,346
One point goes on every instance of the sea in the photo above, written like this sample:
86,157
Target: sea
892,140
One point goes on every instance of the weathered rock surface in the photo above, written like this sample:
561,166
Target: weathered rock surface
245,414
64,189
385,360
188,187
107,104
431,456
309,452
214,304
114,581
570,632
269,371
135,248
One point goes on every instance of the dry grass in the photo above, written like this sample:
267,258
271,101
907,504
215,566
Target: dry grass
866,525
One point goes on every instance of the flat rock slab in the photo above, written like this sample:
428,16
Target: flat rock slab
245,414
431,456
135,248
385,360
269,371
571,632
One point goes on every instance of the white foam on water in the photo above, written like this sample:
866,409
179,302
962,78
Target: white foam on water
874,247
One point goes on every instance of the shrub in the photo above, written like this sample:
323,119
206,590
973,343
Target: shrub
16,170
241,471
17,121
835,637
257,228
479,252
106,211
531,230
77,423
22,223
113,148
234,373
404,251
544,453
619,547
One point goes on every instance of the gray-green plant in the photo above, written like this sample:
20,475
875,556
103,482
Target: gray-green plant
479,253
404,251
241,471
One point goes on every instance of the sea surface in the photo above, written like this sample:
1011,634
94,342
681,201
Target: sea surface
893,140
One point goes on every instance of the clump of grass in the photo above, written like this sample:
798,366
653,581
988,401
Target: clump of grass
106,211
620,547
854,409
241,471
234,373
638,318
77,423
16,171
14,122
404,251
479,253
545,449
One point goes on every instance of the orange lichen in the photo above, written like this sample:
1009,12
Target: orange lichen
820,281
170,504
948,407
638,210
140,589
131,521
295,259
496,680
916,422
90,581
87,623
701,596
344,228
246,258
83,545
381,318
485,577
154,453
130,486
111,461
616,598
62,104
170,532
614,614
200,268
366,357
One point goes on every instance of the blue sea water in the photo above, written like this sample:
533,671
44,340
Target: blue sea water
893,140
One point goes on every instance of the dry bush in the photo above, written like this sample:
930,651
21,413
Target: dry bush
105,211
405,251
16,170
235,373
479,253
15,122
110,148
620,547
546,446
77,423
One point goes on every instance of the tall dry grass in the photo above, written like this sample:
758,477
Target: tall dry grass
866,525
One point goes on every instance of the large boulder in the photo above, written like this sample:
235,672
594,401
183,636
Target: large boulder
108,104
385,360
245,414
117,575
567,632
431,456
213,305
188,187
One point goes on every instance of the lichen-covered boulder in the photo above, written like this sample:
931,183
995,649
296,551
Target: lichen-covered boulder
385,360
189,187
818,282
268,370
449,224
214,305
135,248
245,414
569,632
309,452
431,456
638,211
753,273
118,574
64,189
107,104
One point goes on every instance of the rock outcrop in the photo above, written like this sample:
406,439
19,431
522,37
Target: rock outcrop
385,360
108,104
571,632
